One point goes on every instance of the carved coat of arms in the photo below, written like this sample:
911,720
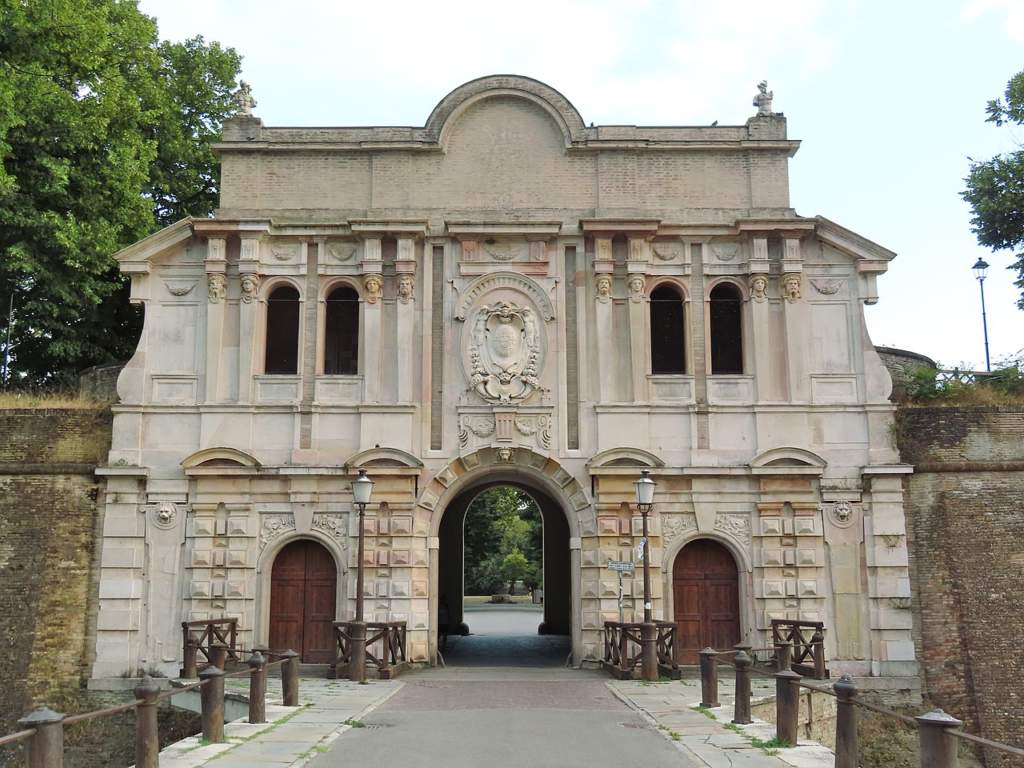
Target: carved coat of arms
504,352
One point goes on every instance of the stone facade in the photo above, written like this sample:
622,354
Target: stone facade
504,256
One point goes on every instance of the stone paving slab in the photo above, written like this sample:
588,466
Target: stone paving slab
706,735
292,735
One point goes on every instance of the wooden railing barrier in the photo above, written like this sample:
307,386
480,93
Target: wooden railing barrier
43,729
216,640
800,646
389,661
623,644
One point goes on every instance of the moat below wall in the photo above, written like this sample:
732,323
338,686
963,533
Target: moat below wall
48,535
965,514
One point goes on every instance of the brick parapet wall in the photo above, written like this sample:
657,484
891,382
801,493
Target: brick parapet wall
965,514
48,538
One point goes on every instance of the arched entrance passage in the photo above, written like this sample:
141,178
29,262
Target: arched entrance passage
705,596
303,584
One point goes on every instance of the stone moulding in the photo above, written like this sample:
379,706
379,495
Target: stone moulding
495,280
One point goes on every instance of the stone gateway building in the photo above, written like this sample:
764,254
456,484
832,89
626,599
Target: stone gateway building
504,296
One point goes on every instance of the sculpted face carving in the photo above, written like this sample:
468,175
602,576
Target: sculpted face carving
373,286
636,287
759,287
217,288
250,285
791,284
406,286
604,287
503,354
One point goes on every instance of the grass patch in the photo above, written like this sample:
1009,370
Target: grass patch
770,745
45,400
705,711
353,723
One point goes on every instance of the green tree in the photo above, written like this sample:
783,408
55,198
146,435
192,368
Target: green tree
104,135
995,188
499,522
514,566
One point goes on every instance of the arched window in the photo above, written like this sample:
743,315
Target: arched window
282,331
341,332
726,329
668,351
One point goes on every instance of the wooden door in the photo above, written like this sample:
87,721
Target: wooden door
302,601
705,592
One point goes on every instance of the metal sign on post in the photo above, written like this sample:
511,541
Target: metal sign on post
620,567
640,549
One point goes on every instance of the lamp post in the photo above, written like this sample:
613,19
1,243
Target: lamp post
648,630
980,267
362,487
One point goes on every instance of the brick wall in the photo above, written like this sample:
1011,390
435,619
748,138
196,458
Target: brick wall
965,515
48,519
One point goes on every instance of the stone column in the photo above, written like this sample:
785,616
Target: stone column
248,270
372,319
604,263
217,291
405,266
798,325
639,316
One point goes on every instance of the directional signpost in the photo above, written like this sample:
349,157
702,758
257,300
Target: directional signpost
621,567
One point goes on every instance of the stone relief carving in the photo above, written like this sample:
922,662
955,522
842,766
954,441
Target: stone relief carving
275,525
827,287
164,514
374,288
341,252
667,251
217,287
250,287
506,454
504,353
763,99
497,280
604,288
791,286
244,99
637,283
737,526
541,427
481,426
333,526
285,251
675,526
759,287
179,287
725,251
406,287
501,251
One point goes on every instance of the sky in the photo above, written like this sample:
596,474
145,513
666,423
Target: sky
888,99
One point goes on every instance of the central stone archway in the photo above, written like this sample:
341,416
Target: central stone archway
555,490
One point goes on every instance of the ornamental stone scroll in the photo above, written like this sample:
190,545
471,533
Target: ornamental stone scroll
503,354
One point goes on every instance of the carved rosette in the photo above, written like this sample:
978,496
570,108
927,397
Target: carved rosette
503,357
250,287
406,287
217,287
374,288
759,287
604,288
791,286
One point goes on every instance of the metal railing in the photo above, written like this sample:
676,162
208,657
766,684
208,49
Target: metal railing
937,731
623,648
389,661
43,729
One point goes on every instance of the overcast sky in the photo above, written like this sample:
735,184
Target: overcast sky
887,97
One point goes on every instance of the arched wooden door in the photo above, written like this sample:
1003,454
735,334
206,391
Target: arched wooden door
705,592
303,586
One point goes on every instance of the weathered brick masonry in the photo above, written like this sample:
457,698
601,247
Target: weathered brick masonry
965,513
48,518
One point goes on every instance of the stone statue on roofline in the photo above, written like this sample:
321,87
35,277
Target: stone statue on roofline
763,99
244,100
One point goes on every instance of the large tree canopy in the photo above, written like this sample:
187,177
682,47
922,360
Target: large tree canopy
105,135
995,188
503,538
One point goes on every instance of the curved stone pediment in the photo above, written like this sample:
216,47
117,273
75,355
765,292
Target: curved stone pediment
497,280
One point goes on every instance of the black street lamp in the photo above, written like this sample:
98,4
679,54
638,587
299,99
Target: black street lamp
648,630
362,487
980,267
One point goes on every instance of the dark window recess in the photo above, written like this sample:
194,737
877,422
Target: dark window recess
668,350
282,331
726,329
341,334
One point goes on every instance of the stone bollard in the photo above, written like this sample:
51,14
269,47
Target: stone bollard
290,678
219,656
709,678
741,713
818,643
846,723
787,706
257,688
212,698
46,747
938,745
147,735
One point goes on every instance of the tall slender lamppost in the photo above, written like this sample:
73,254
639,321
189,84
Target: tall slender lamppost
362,487
980,267
648,630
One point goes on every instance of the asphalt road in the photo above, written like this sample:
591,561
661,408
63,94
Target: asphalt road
504,718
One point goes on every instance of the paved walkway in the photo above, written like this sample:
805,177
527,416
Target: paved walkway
506,636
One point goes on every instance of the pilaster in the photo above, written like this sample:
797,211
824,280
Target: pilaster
798,325
372,318
604,264
249,278
216,266
639,315
405,267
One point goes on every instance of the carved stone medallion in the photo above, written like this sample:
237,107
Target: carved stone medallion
503,357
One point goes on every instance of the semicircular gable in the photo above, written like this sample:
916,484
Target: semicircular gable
220,456
625,457
788,456
559,108
489,282
383,457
